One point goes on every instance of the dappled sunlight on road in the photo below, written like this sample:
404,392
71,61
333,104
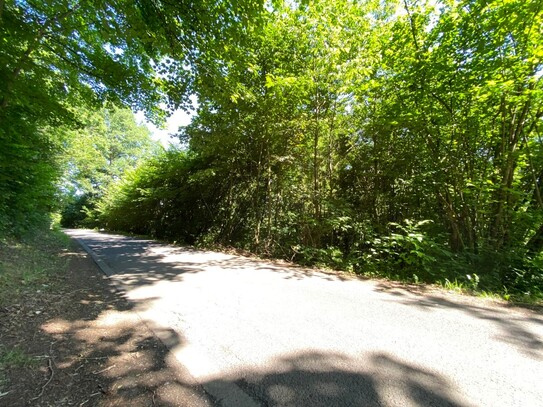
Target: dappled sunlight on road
289,336
305,378
514,328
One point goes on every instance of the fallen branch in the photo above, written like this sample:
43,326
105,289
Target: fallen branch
103,370
50,365
98,358
91,396
79,368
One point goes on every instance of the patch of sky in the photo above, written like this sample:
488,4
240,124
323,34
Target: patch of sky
113,49
165,133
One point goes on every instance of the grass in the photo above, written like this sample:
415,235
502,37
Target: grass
28,267
30,264
14,358
454,285
11,359
517,298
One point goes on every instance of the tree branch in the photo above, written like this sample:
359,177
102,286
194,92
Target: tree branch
29,50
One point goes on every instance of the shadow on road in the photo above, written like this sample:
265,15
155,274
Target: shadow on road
512,326
145,262
98,352
129,367
318,379
88,348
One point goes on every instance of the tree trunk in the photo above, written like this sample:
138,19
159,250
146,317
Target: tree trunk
535,244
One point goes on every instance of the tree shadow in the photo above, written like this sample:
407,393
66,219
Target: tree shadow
142,261
102,353
146,262
95,350
513,326
322,379
91,348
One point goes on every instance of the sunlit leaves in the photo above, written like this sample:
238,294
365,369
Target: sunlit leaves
324,126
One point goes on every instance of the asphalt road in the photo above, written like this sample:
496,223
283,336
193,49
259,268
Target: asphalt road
257,333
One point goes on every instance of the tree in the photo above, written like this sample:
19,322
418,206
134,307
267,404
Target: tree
57,56
397,137
109,144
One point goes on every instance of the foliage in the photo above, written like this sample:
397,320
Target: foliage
78,211
398,138
27,265
170,196
109,143
409,253
328,127
58,57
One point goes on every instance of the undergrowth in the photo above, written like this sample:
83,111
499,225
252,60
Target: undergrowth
30,264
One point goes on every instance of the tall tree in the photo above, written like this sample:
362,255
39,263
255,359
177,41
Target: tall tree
389,135
109,143
59,55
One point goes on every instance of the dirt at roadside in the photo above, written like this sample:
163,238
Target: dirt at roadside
88,348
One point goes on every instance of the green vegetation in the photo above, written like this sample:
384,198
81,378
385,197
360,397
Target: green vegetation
109,143
12,358
391,138
29,268
15,358
59,58
30,264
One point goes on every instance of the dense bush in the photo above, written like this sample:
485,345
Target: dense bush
398,145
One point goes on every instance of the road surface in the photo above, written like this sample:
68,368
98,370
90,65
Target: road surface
257,333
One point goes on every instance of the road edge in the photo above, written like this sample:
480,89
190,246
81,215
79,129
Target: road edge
225,394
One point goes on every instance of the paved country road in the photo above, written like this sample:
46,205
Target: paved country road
257,333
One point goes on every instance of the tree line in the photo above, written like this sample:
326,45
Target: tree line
61,58
396,138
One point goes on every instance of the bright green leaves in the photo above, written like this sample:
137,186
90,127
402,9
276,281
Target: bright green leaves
108,143
321,126
57,57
